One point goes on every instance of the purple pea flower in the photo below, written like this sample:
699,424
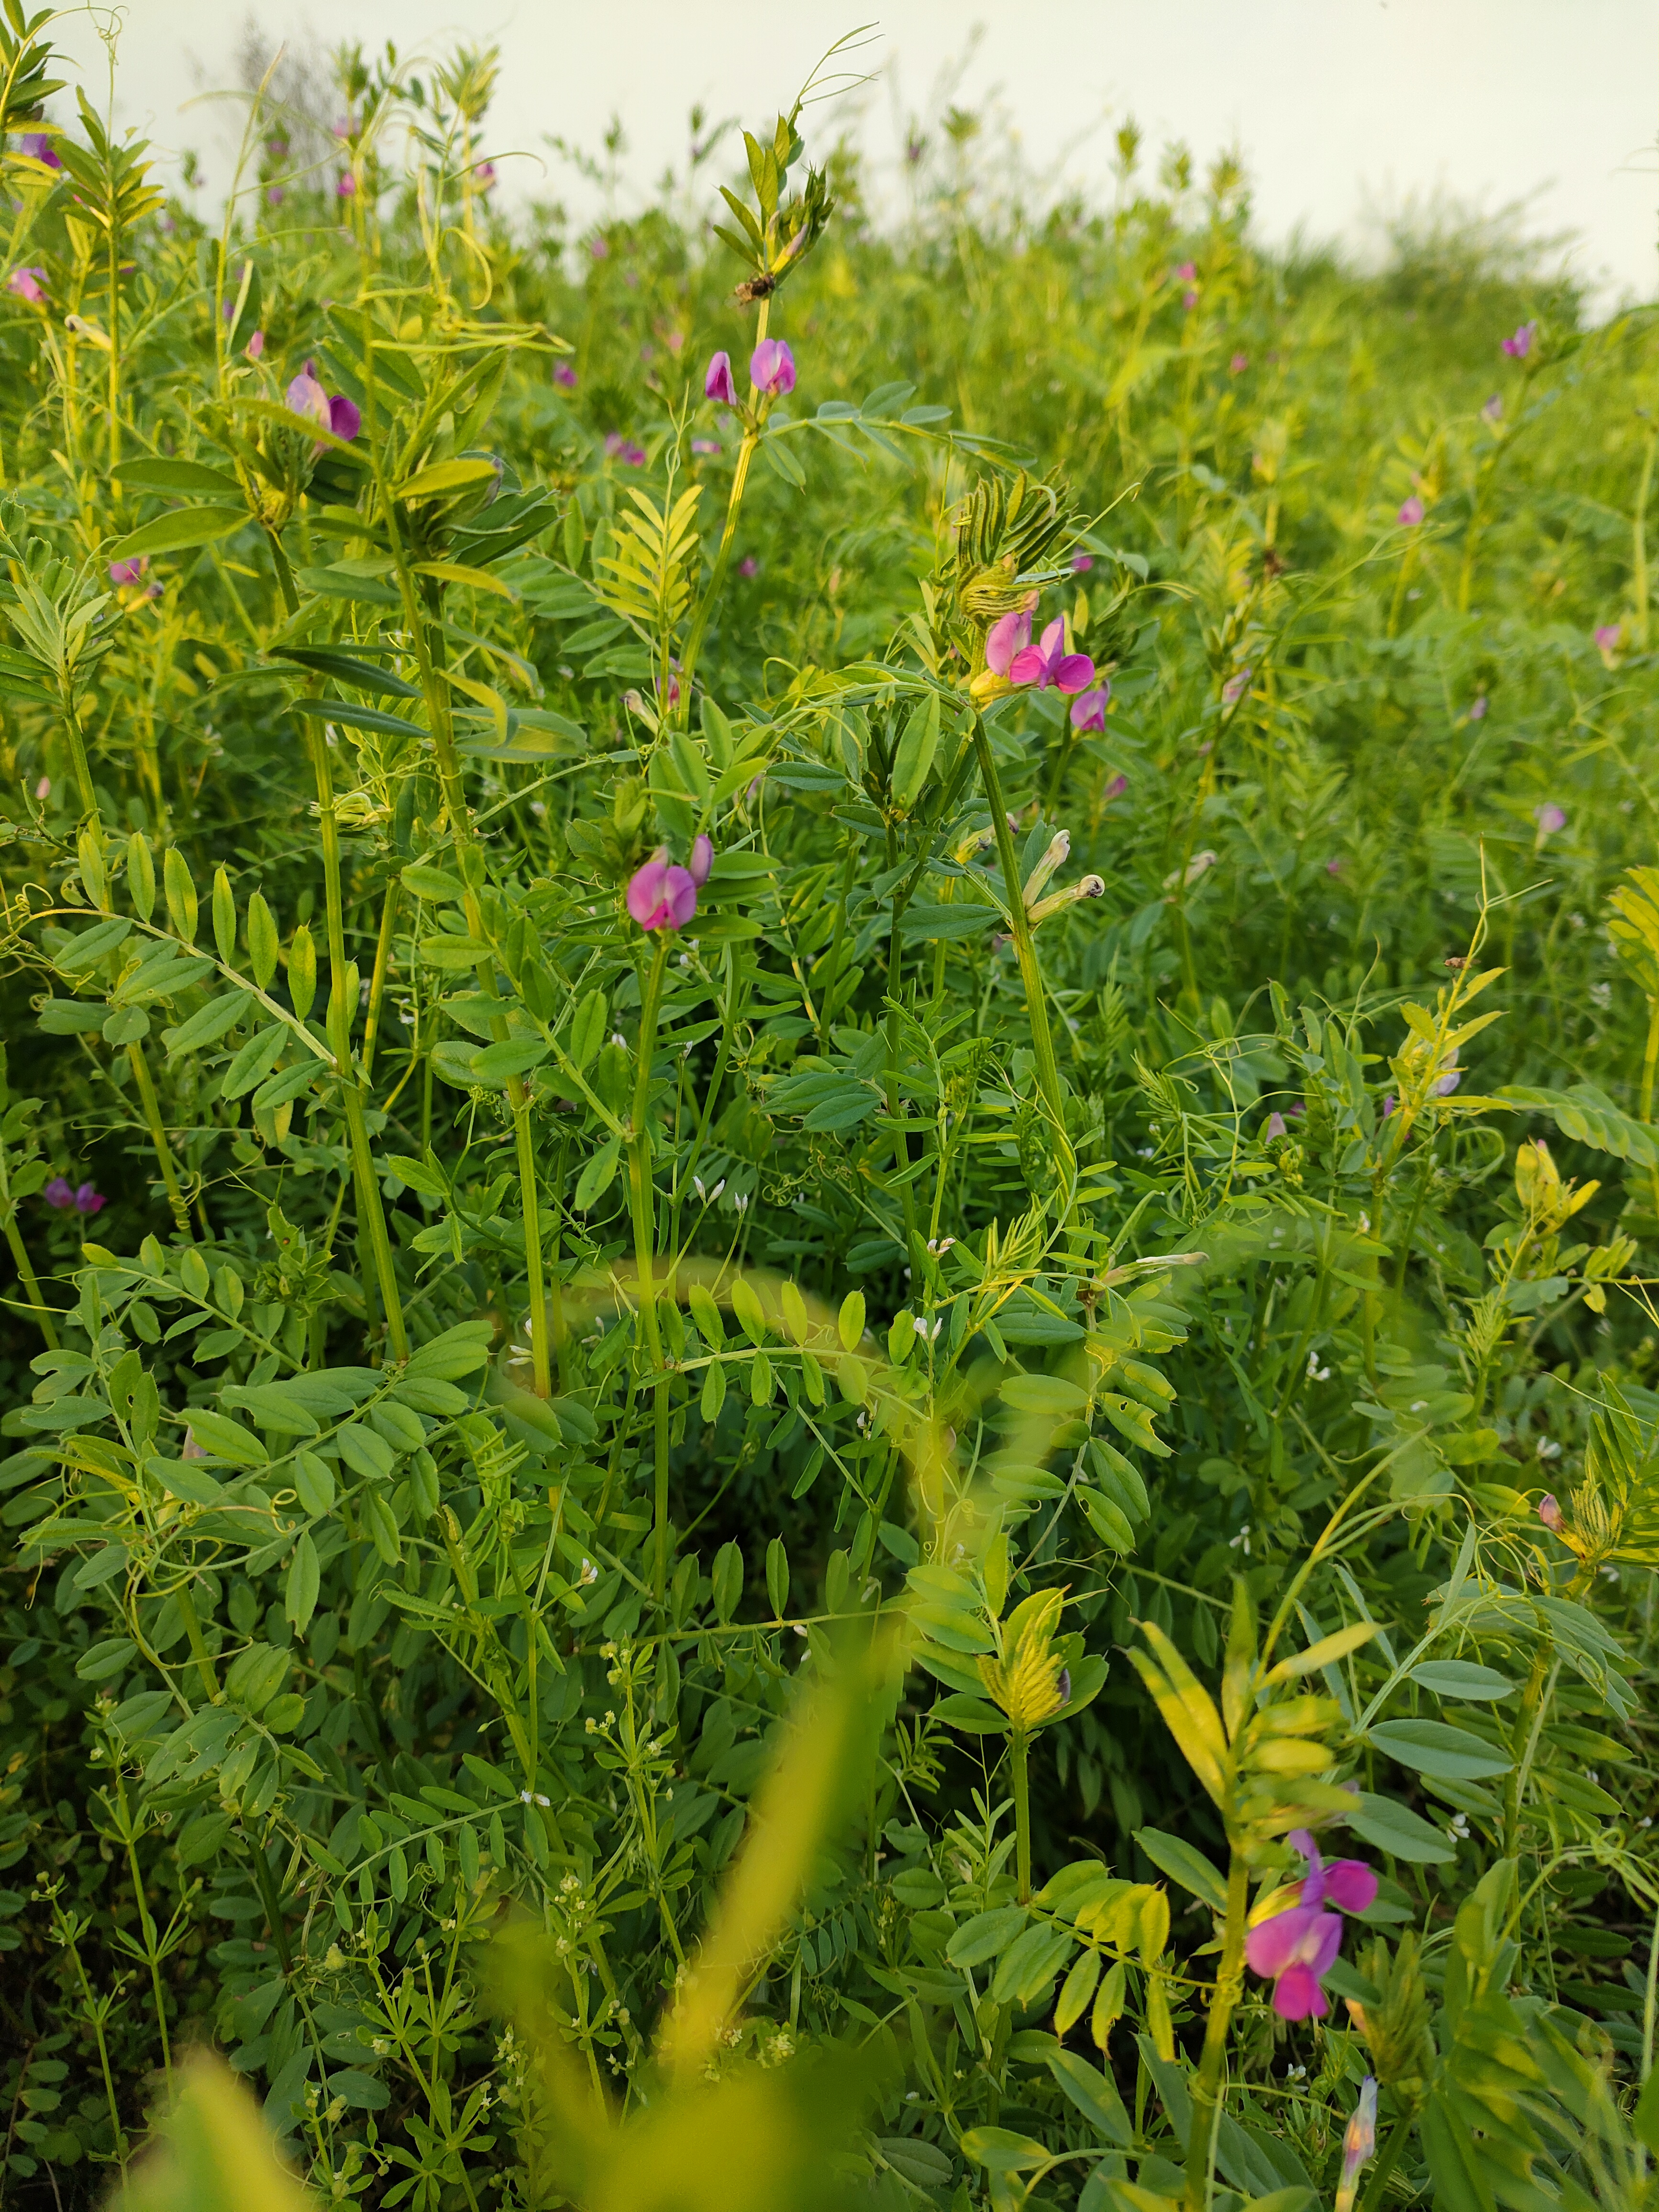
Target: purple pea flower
1478,708
305,396
60,1193
1187,273
1081,563
1608,634
749,566
87,1199
346,187
1049,662
343,419
39,148
1548,1511
1006,637
1238,364
563,374
772,368
27,284
1389,1102
275,195
484,176
1520,345
1334,867
123,572
1089,709
1297,1949
1411,512
256,345
706,446
717,383
618,448
663,896
1235,686
1549,818
1276,1127
1116,787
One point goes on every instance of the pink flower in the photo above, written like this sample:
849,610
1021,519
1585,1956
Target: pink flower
1297,1949
618,448
256,345
305,396
484,176
1549,818
1520,345
1411,512
749,566
563,374
1089,709
663,896
1238,364
599,250
27,284
1334,867
1548,1511
1275,1127
717,383
87,1201
1608,635
1116,787
1187,272
1048,663
43,789
343,419
772,368
1081,563
708,447
1493,409
1235,686
1359,2144
275,195
346,187
1389,1102
1478,708
39,148
1190,299
129,571
59,1195
1007,636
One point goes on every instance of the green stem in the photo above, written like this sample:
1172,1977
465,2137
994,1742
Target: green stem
371,1212
158,1137
1649,2002
1639,545
1376,2188
643,1206
1644,1107
1042,1047
1208,2088
377,982
1520,1739
27,1277
722,559
94,2013
1019,1744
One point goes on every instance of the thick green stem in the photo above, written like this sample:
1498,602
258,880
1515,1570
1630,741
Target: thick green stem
1208,2084
642,1206
1644,1107
371,1212
1019,1745
1519,1741
1377,2189
1638,565
377,982
1042,1046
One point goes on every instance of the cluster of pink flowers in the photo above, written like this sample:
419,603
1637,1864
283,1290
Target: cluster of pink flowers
771,371
63,1195
1010,652
334,413
1297,1948
662,895
618,448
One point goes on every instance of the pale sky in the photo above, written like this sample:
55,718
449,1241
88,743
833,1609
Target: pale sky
1342,108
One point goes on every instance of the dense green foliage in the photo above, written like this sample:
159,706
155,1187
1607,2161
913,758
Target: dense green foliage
1077,1217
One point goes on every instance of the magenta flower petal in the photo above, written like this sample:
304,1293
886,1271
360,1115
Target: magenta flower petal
563,374
717,381
702,860
645,891
27,284
1351,1884
1029,667
679,896
1273,1944
305,396
1297,1994
87,1201
256,345
1089,709
1411,513
1073,671
1005,638
344,418
772,367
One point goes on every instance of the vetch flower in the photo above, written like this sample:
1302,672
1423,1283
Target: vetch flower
1116,787
1548,1511
563,374
707,446
1235,686
749,566
1478,708
484,176
1359,2144
1607,636
1238,364
129,571
1411,512
1006,637
1276,1127
1295,1948
1089,709
256,345
1081,563
27,284
662,895
1549,818
1494,407
346,187
717,383
772,368
275,195
1334,867
60,1192
1049,662
1187,272
1520,345
39,148
1389,1102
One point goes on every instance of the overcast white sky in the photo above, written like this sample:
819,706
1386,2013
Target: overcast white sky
1342,107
